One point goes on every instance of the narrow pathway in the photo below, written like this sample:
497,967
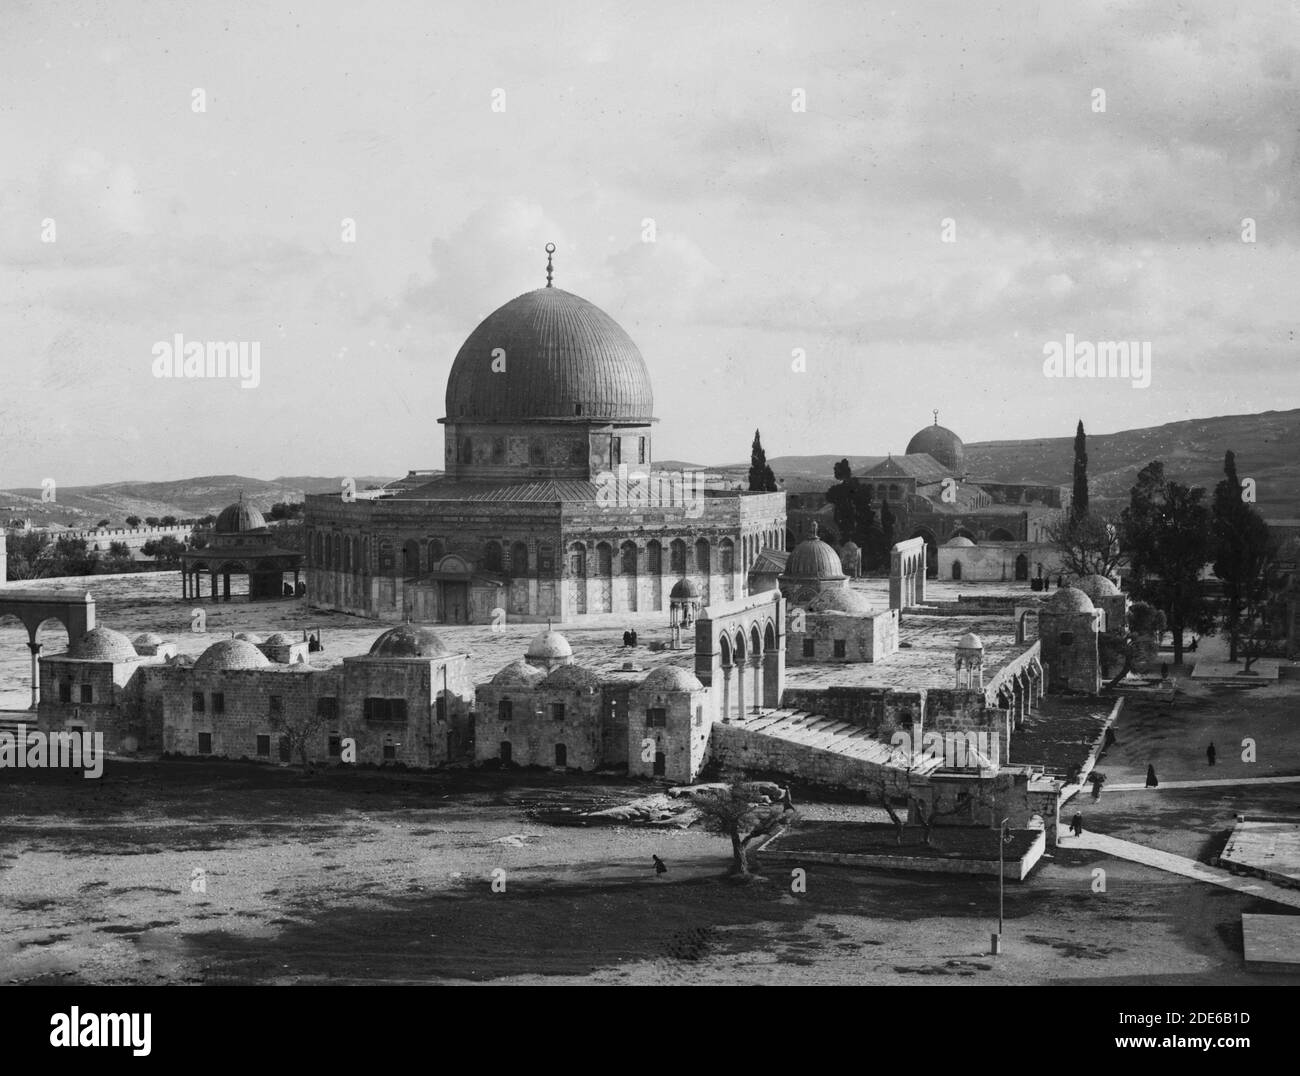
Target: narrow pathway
1203,784
1188,868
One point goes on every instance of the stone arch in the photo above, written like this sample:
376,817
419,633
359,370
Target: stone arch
603,595
519,559
956,569
931,550
702,564
627,570
677,557
437,550
1022,568
492,556
1001,534
318,549
962,532
724,648
727,568
410,559
654,557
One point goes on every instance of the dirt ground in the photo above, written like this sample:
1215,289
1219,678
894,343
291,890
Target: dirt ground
364,876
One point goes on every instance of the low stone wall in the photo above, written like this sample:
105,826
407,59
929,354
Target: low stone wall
739,748
1015,870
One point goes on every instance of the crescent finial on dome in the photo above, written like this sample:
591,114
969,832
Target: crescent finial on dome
550,249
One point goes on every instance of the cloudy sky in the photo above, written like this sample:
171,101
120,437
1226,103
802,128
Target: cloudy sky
775,229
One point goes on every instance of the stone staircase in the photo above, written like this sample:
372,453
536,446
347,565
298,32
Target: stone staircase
805,729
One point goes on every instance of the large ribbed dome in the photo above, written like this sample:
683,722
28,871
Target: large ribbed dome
239,517
564,359
941,443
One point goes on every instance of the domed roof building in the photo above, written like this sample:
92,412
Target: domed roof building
408,641
940,443
813,567
240,543
231,654
1097,586
518,674
671,678
237,518
566,361
549,650
103,644
540,512
571,677
1070,600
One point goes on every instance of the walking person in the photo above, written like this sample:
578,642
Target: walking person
1151,776
1210,753
1076,824
659,866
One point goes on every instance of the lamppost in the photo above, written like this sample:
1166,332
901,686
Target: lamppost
1003,838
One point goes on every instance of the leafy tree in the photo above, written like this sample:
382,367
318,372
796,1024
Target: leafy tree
1243,551
1079,506
743,811
1136,648
31,556
1166,536
167,521
103,523
72,556
761,478
151,521
1088,545
851,502
166,551
133,521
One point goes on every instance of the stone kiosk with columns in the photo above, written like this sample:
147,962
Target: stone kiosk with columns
740,654
907,574
241,543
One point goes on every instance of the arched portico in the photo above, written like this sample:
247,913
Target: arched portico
35,607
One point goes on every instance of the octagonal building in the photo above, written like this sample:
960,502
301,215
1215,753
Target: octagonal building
550,505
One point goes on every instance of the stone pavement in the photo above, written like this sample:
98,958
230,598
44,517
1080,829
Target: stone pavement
1188,868
1203,784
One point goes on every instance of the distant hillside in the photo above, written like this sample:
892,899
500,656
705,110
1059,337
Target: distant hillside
1267,447
207,495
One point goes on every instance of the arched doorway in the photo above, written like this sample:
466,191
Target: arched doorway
561,756
577,578
505,752
661,764
1022,568
956,569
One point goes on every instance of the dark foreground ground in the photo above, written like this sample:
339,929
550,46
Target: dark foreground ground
366,876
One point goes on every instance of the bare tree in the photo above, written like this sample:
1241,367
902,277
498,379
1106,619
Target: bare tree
301,728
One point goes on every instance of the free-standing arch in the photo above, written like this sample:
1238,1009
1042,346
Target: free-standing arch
931,550
34,608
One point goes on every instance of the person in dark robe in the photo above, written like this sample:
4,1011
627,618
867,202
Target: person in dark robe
632,635
627,638
1192,649
1076,824
1096,788
659,865
1109,740
787,803
1151,776
1210,754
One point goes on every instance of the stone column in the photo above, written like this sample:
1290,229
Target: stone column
726,693
740,686
35,648
758,682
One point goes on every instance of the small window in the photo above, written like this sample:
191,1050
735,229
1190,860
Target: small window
196,702
336,745
390,752
557,711
809,648
656,718
264,747
65,691
839,648
327,706
640,452
87,693
440,709
276,704
218,702
577,409
505,710
615,451
1066,638
205,743
699,716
